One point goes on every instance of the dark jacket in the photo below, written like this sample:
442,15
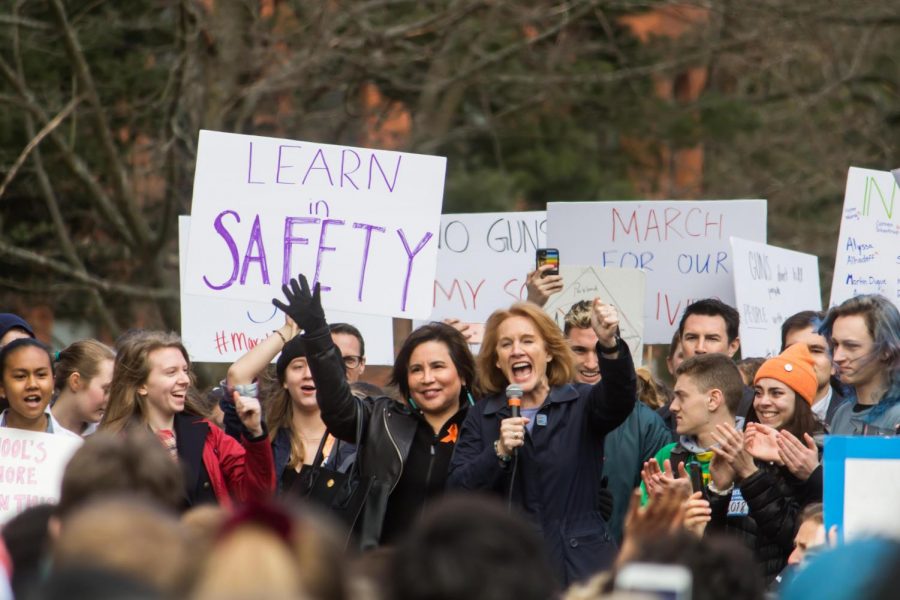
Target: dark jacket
774,499
626,448
558,474
218,469
341,456
388,430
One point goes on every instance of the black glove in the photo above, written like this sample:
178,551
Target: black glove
605,500
303,307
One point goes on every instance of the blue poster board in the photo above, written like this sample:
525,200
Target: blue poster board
840,449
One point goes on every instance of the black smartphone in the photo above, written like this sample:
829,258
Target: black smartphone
696,474
548,256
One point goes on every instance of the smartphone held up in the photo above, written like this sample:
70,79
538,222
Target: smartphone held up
548,256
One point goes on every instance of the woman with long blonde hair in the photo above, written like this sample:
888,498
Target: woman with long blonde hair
548,458
296,429
149,389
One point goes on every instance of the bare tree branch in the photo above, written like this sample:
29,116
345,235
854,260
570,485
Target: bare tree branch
35,140
139,228
103,285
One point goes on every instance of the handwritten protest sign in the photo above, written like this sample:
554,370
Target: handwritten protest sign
771,284
623,288
362,223
868,250
862,486
483,259
682,245
31,468
219,330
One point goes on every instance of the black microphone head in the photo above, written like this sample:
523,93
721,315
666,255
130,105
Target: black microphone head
514,390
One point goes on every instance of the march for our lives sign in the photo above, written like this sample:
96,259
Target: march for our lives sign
363,223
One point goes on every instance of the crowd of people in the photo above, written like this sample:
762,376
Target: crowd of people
547,466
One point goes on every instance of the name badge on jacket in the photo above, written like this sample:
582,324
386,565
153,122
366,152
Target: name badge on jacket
541,420
737,506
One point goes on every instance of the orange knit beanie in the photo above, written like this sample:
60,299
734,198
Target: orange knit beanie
794,368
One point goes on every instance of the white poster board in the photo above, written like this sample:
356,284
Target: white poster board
483,259
363,223
868,250
31,468
862,486
681,244
221,331
623,288
770,285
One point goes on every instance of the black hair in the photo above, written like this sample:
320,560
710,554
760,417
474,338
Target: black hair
471,547
801,320
720,565
456,346
713,307
18,344
349,330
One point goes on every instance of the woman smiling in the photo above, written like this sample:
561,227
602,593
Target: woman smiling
406,446
548,461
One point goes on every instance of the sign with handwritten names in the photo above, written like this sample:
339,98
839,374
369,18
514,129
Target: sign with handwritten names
681,244
862,486
868,250
221,331
770,285
362,223
31,468
623,288
483,259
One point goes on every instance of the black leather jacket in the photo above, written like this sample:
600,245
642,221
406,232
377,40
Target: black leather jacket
388,431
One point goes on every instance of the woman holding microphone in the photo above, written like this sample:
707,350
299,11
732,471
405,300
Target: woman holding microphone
547,461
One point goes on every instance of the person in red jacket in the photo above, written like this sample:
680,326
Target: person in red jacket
150,383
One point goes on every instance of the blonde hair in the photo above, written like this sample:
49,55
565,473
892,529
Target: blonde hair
126,535
251,562
83,357
279,412
132,367
261,558
560,370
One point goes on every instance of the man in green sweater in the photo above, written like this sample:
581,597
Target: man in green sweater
708,391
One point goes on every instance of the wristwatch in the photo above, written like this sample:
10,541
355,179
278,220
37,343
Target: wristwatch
502,457
609,349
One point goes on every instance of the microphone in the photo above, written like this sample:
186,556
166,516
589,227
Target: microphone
514,395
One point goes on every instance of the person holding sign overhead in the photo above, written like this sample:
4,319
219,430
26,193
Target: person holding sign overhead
864,333
548,460
407,446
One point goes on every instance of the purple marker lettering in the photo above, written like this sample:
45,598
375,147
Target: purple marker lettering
324,248
373,161
232,247
365,257
325,168
290,241
255,240
411,255
250,167
345,173
280,166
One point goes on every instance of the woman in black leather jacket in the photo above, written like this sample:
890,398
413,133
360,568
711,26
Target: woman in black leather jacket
405,446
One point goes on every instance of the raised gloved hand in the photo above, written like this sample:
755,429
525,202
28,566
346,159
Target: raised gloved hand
303,307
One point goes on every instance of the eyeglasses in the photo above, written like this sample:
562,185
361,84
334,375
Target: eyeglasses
351,362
